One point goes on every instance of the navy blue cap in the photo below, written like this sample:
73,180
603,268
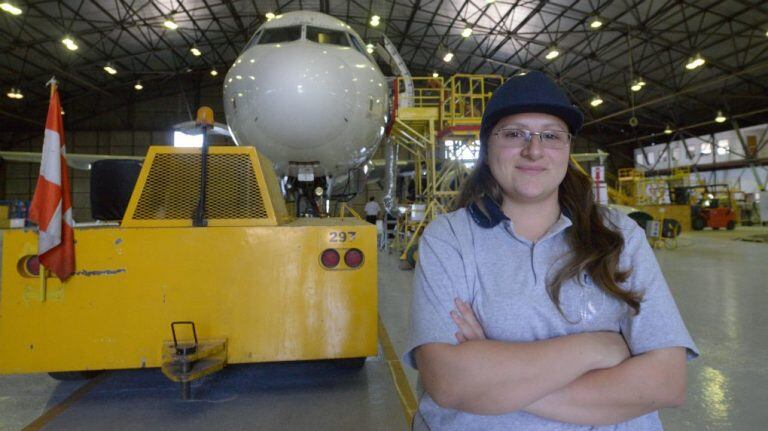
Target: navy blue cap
532,92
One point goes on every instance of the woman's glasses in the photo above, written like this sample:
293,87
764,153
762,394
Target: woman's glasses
519,138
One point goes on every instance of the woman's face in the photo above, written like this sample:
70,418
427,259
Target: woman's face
531,173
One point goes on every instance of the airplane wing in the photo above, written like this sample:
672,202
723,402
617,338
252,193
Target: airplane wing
75,161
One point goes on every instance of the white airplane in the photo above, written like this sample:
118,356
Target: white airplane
307,95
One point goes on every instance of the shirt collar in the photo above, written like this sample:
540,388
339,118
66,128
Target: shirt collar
496,215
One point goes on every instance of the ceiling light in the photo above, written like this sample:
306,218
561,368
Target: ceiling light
11,9
15,93
595,23
138,86
596,101
369,48
638,85
435,74
110,69
270,16
720,117
375,20
553,53
69,43
466,32
170,25
196,52
668,130
695,62
448,57
214,72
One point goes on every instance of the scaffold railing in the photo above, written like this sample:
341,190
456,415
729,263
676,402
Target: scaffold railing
466,97
439,111
630,174
427,92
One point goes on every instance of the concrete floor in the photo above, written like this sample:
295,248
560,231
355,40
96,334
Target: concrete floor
279,396
719,284
721,287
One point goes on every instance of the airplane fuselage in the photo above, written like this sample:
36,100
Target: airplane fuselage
305,94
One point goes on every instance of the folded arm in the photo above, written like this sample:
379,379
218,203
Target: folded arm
611,393
493,377
637,386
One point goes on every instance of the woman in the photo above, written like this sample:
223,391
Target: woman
532,307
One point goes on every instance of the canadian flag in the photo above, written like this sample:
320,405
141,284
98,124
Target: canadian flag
51,206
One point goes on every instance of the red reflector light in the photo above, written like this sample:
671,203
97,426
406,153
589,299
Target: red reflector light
330,258
31,265
353,258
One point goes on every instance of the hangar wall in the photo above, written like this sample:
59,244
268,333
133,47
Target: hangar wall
20,178
120,125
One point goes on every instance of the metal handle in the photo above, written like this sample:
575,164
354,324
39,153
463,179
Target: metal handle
173,331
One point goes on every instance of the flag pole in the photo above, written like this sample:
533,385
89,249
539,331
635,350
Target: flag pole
51,206
52,83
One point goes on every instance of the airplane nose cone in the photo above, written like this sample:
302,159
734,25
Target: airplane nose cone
300,96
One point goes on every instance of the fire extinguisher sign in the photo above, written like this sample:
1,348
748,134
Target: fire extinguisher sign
600,187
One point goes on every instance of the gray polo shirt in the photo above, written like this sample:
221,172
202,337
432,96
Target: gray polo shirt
502,275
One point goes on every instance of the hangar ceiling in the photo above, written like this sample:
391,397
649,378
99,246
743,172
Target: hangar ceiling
648,40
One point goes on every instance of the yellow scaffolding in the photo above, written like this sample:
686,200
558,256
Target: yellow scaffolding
466,97
634,188
439,110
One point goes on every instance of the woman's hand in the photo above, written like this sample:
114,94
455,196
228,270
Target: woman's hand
469,327
611,348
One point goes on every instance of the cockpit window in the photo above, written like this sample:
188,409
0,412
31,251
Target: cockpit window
331,37
280,35
356,44
253,40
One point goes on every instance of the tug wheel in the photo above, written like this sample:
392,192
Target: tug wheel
68,376
349,363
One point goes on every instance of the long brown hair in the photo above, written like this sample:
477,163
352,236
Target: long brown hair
595,248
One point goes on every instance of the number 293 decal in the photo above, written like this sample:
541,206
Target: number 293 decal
341,236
